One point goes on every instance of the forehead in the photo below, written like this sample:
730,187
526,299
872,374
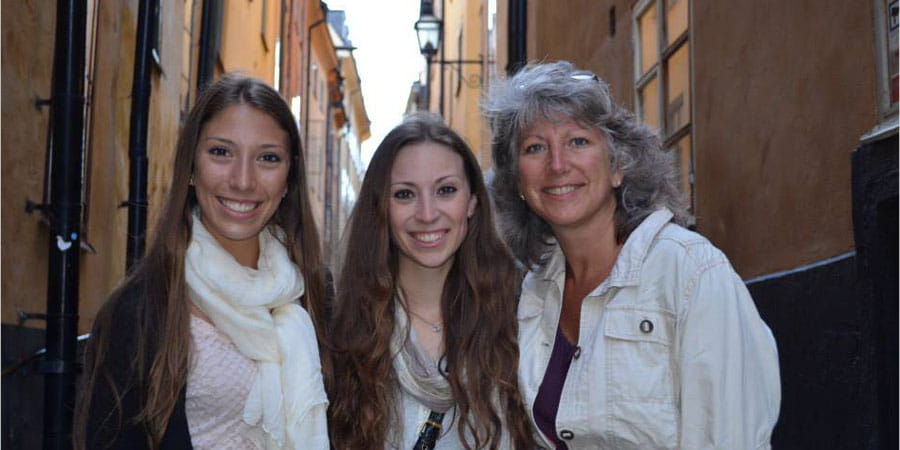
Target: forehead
244,120
426,162
556,123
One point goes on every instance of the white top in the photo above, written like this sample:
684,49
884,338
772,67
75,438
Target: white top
671,352
219,379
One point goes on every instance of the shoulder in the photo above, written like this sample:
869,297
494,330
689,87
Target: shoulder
688,250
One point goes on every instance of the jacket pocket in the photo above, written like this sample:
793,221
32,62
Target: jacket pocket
641,377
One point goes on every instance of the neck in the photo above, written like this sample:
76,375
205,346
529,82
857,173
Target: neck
590,249
422,286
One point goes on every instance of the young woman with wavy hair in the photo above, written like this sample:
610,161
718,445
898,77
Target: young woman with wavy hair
423,331
205,343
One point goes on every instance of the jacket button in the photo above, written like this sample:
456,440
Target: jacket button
646,326
577,353
567,434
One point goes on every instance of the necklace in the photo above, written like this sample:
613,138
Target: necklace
435,327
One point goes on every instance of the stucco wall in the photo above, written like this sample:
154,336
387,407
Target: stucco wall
579,31
462,82
28,32
248,38
782,93
27,58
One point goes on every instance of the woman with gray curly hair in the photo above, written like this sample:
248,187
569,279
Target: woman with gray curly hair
634,332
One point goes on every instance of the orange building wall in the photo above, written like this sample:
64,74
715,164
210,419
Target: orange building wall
779,106
248,37
579,31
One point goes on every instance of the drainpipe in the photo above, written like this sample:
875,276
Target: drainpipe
210,24
137,139
442,58
65,208
518,56
329,149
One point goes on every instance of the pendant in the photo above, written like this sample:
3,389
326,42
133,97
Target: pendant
436,328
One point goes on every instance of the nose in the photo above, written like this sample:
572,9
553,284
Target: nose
426,209
559,162
243,177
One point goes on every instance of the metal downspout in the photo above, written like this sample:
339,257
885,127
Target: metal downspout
137,139
65,211
206,65
329,192
442,58
517,38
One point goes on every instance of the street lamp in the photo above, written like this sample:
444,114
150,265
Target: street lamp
428,31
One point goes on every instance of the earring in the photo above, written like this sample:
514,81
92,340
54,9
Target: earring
284,194
521,196
191,180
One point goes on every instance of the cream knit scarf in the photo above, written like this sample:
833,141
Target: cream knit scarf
258,311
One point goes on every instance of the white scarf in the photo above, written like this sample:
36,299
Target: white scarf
258,311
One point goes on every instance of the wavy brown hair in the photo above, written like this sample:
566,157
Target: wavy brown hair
478,306
154,295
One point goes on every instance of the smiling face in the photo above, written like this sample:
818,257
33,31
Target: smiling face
240,175
430,203
565,174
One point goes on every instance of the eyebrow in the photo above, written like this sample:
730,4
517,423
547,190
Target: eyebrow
437,181
230,142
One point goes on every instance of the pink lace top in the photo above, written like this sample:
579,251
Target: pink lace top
219,380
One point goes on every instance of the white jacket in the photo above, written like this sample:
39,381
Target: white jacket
672,352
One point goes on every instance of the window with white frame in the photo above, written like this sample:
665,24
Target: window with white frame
662,78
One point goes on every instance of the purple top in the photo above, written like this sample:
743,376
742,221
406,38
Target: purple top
546,404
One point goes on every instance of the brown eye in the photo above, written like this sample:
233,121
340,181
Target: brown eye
270,157
218,151
403,194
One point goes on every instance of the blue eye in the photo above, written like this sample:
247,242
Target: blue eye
403,194
447,190
532,148
579,142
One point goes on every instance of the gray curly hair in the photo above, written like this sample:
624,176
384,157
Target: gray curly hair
558,90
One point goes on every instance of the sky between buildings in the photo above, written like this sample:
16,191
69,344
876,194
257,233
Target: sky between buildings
387,57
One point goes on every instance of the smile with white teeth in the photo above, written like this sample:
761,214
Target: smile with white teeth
239,207
559,190
428,237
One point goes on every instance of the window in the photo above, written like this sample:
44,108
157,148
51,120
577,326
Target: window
887,22
662,78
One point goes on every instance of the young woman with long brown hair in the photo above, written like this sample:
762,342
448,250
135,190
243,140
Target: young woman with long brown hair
205,343
423,331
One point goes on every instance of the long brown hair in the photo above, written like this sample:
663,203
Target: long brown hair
155,289
478,306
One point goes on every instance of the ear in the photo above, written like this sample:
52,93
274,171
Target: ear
617,178
473,202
